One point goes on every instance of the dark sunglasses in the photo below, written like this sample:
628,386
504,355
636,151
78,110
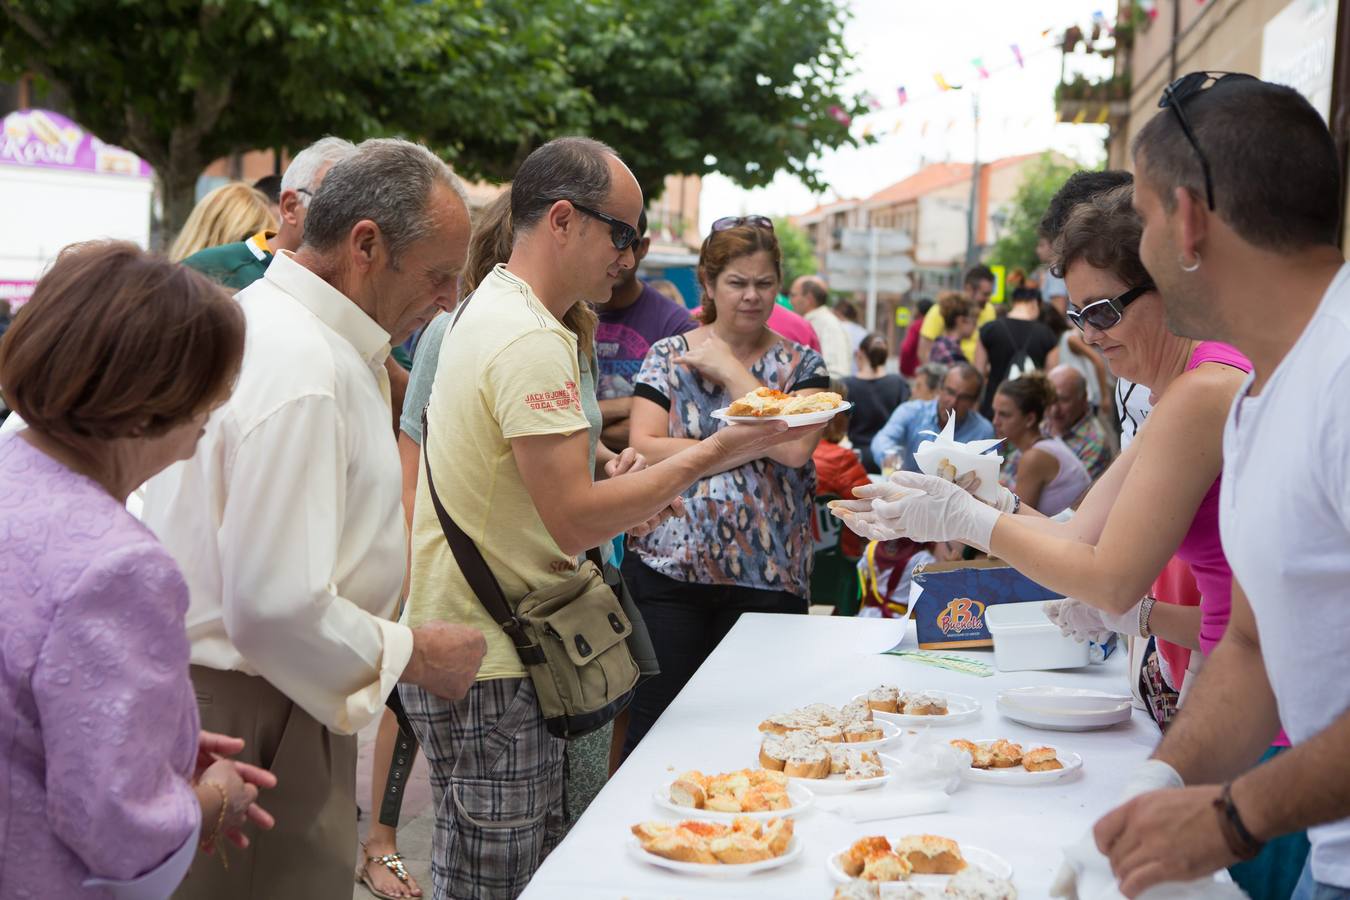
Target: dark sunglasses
621,233
728,222
1106,314
1175,95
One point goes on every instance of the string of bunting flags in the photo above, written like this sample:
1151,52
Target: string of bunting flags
1016,59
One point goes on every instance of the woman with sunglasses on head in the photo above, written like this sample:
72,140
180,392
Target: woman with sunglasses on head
1159,498
744,544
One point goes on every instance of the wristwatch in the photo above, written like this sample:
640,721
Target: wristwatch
1146,610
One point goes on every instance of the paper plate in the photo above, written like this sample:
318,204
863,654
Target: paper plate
979,858
960,708
1020,776
710,870
814,418
1064,709
838,784
797,791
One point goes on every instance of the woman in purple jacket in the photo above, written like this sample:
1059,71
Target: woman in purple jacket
106,787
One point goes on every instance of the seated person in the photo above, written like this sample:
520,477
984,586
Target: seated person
1071,419
838,469
905,430
1042,470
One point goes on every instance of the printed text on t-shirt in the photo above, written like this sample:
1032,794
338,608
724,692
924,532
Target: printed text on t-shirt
561,399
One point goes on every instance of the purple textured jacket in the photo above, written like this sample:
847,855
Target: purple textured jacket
98,719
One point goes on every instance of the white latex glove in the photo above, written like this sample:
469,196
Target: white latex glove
1005,502
1086,872
1087,623
922,508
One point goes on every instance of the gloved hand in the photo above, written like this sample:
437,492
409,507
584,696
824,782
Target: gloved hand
1087,623
919,507
1005,502
1085,873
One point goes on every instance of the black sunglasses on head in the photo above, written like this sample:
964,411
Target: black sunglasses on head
621,233
1106,313
1174,97
726,223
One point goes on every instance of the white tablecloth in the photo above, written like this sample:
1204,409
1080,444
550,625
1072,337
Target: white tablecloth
773,663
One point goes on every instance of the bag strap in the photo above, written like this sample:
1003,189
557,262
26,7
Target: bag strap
476,572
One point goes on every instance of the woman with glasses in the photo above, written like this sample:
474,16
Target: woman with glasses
744,544
1159,498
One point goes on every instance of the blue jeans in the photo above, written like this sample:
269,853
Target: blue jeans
1310,890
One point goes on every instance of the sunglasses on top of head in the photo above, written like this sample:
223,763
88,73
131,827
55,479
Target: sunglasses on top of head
1106,313
726,223
621,234
1174,97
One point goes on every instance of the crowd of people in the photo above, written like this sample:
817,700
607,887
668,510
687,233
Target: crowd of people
275,490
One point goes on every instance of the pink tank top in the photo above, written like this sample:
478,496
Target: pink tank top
1201,547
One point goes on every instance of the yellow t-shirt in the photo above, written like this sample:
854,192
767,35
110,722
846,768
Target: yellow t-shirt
933,326
507,369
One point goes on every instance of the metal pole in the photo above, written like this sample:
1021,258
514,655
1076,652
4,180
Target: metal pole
872,280
972,252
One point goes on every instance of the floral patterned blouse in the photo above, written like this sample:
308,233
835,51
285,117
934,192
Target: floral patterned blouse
750,526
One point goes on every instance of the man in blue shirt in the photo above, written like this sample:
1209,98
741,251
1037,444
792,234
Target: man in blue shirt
960,395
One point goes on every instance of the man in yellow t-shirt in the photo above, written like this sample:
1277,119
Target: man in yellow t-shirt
508,443
978,287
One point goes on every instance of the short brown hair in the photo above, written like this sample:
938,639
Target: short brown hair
1272,162
1104,232
115,342
721,247
1032,393
952,305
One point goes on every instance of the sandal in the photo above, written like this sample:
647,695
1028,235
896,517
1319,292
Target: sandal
391,861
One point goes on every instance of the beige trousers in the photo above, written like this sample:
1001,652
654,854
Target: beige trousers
312,851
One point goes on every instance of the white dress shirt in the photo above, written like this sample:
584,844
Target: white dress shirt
833,341
287,522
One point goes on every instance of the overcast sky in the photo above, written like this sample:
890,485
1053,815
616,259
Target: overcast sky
903,42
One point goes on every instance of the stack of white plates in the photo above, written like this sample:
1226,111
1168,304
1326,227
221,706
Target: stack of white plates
1064,709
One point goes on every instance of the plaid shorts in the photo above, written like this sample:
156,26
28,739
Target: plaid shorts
498,777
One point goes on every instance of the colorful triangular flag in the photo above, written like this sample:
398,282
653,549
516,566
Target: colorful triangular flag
1017,55
872,102
1103,115
838,114
1081,116
901,95
941,82
978,63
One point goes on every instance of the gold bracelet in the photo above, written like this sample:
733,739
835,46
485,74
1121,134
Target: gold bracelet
208,842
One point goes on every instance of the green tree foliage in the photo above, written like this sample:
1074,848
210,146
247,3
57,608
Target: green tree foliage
799,256
1016,248
740,87
735,86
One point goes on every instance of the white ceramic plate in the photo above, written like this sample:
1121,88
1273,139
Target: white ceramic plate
838,784
1020,776
796,421
960,708
979,858
1061,719
798,793
710,870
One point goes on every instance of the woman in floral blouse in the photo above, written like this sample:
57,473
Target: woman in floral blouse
744,544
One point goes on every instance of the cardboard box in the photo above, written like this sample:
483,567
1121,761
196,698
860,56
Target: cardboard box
949,612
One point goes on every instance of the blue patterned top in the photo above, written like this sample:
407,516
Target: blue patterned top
750,526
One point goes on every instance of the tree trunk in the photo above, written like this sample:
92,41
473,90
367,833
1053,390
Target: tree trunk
179,185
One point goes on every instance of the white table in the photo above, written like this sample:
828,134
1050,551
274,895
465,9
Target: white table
773,663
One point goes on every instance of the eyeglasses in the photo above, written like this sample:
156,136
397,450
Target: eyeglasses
726,223
309,195
621,233
951,392
1173,98
1106,314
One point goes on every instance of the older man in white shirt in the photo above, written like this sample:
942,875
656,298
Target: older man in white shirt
287,522
811,300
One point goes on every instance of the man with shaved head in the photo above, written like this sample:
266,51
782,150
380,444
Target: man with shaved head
1070,419
811,300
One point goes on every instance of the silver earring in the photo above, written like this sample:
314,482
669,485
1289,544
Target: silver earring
1185,268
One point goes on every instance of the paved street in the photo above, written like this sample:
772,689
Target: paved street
415,825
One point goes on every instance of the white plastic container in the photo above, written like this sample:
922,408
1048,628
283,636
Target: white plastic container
1025,639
